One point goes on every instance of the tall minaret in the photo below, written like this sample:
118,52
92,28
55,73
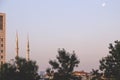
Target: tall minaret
27,49
17,48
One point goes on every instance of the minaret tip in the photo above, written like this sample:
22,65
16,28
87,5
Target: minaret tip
17,48
27,49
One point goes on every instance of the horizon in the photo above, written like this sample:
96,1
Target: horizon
86,27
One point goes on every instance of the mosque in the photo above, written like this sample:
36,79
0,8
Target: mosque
3,41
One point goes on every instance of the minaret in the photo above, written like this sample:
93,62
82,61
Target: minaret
17,48
27,49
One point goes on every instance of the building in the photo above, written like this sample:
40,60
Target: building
82,75
2,39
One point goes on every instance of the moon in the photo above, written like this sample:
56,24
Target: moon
103,4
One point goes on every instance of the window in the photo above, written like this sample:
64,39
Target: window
2,39
1,22
1,45
1,62
1,57
1,51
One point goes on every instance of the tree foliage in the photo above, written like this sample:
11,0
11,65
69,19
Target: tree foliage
110,65
19,70
64,65
7,71
96,75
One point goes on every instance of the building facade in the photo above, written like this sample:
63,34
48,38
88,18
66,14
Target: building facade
2,39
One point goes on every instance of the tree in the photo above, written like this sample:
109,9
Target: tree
7,72
50,74
96,75
20,70
110,65
64,65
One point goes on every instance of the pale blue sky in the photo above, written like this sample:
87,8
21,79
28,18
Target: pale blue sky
81,25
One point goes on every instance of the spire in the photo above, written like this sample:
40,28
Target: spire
27,49
17,49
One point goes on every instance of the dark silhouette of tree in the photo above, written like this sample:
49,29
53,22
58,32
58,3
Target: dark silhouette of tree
7,72
20,70
96,75
49,73
64,65
110,65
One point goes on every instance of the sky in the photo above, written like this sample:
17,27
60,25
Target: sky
85,26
